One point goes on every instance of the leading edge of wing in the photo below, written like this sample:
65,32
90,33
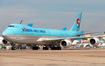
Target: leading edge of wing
88,33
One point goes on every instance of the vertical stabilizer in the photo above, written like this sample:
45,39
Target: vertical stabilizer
76,24
102,41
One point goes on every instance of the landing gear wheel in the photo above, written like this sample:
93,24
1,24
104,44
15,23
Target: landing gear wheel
52,48
55,48
13,48
45,48
88,46
59,48
35,48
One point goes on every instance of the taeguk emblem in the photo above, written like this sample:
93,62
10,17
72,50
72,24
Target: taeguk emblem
78,22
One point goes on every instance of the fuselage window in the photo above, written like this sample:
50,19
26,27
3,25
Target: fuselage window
11,26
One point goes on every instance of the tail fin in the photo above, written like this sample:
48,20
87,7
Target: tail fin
76,24
102,41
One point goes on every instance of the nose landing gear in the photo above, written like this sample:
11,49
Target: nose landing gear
13,46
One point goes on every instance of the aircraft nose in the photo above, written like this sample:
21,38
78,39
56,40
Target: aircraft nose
8,31
3,33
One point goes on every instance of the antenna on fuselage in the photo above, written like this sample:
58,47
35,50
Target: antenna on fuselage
21,21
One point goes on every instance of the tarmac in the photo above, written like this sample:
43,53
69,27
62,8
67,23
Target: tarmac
68,57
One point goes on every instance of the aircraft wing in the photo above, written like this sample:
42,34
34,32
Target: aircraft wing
52,40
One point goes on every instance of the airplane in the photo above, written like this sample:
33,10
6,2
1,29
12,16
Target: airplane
88,45
48,38
102,41
102,44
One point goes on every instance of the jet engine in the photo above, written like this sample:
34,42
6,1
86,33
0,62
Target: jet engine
4,41
65,43
94,41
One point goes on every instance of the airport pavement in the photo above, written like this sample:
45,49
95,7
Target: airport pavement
52,57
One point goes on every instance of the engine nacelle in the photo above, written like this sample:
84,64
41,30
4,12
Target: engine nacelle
4,41
94,41
65,43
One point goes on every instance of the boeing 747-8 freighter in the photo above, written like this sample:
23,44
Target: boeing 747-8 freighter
48,38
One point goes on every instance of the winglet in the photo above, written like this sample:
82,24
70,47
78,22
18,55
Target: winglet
30,24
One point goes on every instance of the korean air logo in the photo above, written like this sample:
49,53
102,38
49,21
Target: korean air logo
24,29
78,22
33,30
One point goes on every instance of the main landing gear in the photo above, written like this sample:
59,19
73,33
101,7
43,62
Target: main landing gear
54,47
35,47
45,48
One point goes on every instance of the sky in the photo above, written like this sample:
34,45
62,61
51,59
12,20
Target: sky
53,14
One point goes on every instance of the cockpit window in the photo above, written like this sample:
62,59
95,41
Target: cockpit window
11,26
